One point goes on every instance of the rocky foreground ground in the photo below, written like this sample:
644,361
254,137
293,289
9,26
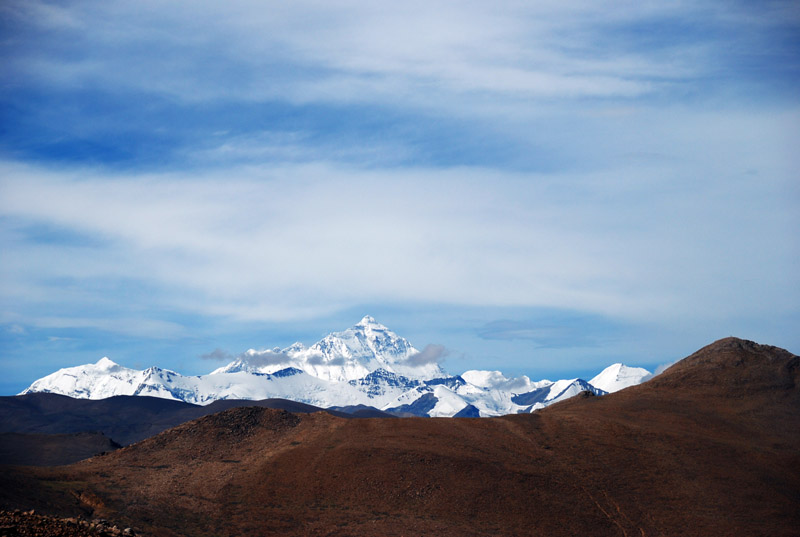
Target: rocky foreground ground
19,523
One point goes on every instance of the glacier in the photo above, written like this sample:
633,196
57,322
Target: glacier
366,364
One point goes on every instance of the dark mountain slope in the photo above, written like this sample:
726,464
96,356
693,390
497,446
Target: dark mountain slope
125,419
45,429
52,449
708,448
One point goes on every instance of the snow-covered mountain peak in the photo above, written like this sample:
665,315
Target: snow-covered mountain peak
342,356
361,349
366,341
106,364
92,381
618,376
369,321
294,347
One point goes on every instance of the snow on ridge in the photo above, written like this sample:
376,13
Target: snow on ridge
619,376
496,380
564,389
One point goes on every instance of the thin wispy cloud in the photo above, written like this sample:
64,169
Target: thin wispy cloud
218,355
127,326
357,51
432,354
549,333
265,358
318,359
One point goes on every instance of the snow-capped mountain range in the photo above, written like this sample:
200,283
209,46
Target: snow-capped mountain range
367,364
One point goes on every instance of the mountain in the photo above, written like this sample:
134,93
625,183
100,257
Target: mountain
343,356
619,376
554,393
709,447
107,379
366,365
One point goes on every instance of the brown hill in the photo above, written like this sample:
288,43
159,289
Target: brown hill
126,418
710,447
47,429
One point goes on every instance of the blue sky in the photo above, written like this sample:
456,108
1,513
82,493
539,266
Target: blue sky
541,187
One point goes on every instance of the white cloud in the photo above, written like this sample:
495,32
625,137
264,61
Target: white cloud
646,241
134,326
650,212
440,54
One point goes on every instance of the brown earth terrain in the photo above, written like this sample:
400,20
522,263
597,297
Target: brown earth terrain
710,447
